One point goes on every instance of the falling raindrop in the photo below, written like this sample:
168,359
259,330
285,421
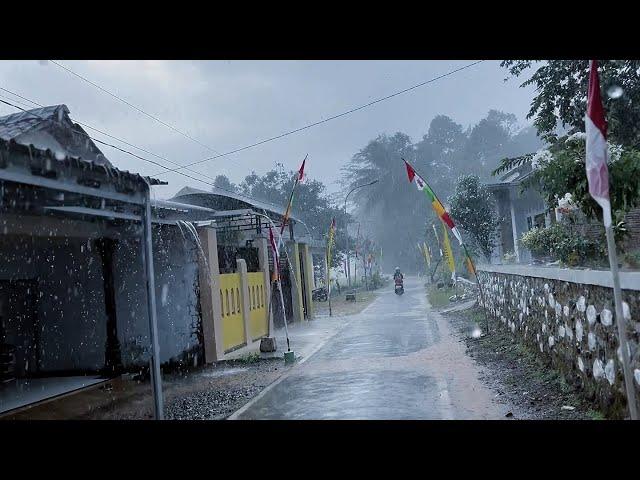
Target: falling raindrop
615,91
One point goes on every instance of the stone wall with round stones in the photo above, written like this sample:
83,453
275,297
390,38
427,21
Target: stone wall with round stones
569,317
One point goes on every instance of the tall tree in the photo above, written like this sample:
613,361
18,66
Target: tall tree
387,210
473,208
223,182
312,205
561,95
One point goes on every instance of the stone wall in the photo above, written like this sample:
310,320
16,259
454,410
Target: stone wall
568,317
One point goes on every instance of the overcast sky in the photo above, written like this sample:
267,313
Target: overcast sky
229,104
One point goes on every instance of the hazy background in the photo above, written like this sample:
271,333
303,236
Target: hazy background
229,104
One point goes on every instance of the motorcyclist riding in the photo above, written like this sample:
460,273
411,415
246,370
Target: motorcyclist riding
398,275
398,278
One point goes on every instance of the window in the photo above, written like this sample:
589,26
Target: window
536,221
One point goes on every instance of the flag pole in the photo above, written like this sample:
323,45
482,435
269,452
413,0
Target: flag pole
326,259
598,178
621,323
461,243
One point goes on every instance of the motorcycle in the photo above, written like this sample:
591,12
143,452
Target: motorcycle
399,286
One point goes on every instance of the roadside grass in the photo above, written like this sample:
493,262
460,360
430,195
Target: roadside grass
253,357
439,297
595,415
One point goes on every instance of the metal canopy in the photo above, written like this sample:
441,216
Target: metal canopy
40,177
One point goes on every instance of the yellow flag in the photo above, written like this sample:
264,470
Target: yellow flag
427,256
447,250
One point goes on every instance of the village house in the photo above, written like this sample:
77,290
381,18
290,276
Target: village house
521,210
73,282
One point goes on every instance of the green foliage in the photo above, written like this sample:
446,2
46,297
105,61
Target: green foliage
473,207
223,182
439,297
563,171
311,204
378,280
393,208
253,357
631,259
509,257
561,95
560,242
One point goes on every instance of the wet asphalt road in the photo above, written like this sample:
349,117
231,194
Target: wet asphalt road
396,360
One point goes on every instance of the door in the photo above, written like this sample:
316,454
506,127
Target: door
19,332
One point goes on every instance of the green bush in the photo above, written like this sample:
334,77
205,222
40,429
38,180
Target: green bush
378,280
559,242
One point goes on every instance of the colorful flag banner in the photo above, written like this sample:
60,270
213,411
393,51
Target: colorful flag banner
435,231
427,254
448,254
469,262
435,202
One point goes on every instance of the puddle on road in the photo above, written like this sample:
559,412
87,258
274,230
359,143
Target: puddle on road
224,372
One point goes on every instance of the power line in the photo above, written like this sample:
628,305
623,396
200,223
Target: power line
291,132
106,134
184,134
113,146
120,149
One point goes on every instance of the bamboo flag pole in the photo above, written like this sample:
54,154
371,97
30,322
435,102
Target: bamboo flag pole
438,206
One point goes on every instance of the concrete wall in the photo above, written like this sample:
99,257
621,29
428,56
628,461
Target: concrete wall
568,316
70,305
176,280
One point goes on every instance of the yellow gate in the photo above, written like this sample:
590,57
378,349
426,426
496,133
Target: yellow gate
231,303
258,321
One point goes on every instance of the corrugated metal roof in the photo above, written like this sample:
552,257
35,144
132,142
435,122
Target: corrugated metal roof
257,205
107,171
14,125
513,176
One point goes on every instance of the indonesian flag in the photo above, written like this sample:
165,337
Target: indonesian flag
597,151
435,203
301,171
274,250
287,212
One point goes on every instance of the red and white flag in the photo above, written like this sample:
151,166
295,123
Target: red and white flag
301,171
597,150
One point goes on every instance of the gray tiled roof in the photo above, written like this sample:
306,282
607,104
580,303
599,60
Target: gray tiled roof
11,126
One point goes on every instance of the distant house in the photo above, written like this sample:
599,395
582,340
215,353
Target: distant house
50,128
519,211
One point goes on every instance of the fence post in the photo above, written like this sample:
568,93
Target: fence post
244,298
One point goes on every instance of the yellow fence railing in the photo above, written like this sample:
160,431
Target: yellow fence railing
231,303
258,321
